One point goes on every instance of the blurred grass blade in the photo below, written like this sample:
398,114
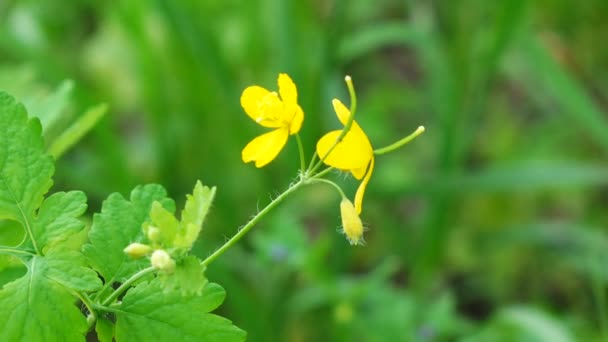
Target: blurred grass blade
535,324
565,90
371,38
528,177
77,130
53,109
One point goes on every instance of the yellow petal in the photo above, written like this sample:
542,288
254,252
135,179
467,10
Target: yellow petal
287,90
349,154
342,112
361,189
263,106
293,113
265,147
296,121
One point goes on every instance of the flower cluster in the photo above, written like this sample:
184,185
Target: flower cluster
347,149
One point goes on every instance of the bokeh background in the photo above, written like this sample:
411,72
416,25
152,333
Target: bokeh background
489,227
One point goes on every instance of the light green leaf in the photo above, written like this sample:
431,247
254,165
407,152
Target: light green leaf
182,234
166,222
118,225
149,314
188,277
69,269
104,329
38,308
57,218
25,170
193,215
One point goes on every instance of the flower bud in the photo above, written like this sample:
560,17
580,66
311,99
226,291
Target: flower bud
162,261
137,250
351,223
153,233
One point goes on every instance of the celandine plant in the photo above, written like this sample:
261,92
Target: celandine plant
131,276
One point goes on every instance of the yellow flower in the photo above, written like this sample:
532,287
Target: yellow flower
351,222
269,109
354,153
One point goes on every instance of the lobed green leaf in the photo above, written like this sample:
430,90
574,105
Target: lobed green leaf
38,307
25,170
149,314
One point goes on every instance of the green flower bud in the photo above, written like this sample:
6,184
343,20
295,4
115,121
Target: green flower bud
137,250
162,261
153,233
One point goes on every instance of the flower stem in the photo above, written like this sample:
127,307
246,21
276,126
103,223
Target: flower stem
125,286
322,180
251,223
322,173
301,150
401,142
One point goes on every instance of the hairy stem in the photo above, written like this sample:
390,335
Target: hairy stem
252,223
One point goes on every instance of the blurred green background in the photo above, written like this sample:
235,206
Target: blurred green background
489,227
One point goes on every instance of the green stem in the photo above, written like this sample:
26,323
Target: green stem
301,150
400,143
321,180
125,286
14,251
312,162
104,288
251,223
349,123
92,316
322,173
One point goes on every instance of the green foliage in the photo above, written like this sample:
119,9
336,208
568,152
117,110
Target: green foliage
25,170
43,304
116,226
184,318
501,205
182,234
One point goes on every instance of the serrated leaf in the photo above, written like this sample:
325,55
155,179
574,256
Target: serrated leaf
148,314
104,329
38,308
119,224
182,234
57,218
25,170
194,213
166,222
69,269
188,277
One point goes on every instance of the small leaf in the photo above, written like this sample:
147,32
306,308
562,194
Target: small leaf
104,329
166,222
193,215
118,225
38,308
182,235
148,314
57,218
188,277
